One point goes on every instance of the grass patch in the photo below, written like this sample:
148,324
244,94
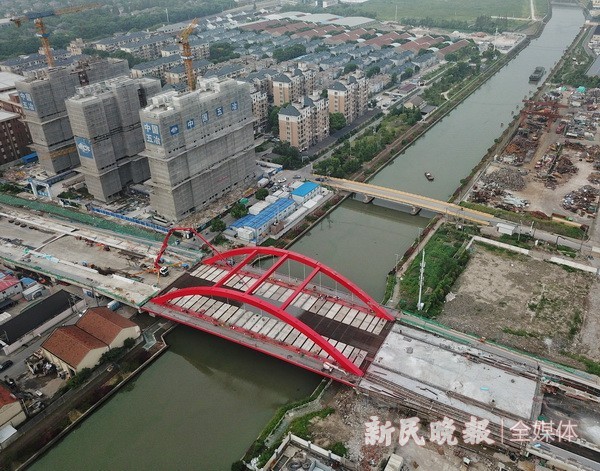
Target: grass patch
301,425
390,283
258,448
445,259
519,332
526,218
575,324
591,366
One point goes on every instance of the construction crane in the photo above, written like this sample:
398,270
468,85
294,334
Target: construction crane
42,33
165,244
186,54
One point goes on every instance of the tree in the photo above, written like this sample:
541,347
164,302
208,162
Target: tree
336,121
239,210
371,71
274,119
217,225
261,194
281,54
394,78
350,67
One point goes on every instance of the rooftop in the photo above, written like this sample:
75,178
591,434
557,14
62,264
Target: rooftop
305,189
103,323
7,281
6,397
265,216
71,344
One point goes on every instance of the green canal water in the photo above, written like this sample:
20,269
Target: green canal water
201,404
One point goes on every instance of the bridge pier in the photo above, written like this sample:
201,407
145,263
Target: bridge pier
403,207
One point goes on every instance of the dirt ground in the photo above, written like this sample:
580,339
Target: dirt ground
347,425
528,304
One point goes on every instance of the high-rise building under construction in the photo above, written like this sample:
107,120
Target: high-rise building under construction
43,96
200,145
105,120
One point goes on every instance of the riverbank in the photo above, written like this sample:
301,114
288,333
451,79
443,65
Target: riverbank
41,433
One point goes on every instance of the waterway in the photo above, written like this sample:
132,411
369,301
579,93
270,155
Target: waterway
199,406
361,240
203,402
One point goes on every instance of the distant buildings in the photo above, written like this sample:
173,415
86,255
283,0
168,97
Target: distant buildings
200,145
291,86
105,119
349,97
304,123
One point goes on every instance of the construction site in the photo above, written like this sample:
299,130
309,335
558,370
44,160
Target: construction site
551,165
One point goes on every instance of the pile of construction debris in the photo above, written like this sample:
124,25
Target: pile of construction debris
582,200
594,178
505,179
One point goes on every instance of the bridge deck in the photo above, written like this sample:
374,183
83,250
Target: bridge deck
355,333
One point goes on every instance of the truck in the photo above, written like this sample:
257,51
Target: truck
263,182
113,305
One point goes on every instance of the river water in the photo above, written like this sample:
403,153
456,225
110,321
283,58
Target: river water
361,240
202,403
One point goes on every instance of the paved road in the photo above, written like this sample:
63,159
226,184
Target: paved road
397,196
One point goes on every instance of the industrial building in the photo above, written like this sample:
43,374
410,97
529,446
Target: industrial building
105,120
43,96
200,145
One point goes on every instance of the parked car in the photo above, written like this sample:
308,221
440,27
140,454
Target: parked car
6,365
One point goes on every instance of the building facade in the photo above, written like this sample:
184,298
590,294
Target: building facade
43,98
304,123
200,145
105,120
349,96
14,137
289,87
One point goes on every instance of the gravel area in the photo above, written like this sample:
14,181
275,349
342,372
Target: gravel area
528,304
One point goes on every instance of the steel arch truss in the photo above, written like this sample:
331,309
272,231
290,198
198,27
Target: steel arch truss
282,256
269,308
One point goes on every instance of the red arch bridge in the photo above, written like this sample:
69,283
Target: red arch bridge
316,319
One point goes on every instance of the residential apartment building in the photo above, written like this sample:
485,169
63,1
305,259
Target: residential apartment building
290,87
349,96
43,98
14,137
260,110
200,49
305,122
200,145
105,119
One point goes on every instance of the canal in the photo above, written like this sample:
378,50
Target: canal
203,402
361,240
199,406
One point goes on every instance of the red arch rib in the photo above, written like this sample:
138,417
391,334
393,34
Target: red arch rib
349,285
275,311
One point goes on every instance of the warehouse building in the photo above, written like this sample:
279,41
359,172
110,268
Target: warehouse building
105,119
200,145
43,98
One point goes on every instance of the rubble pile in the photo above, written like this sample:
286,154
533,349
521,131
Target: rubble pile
565,166
505,179
594,178
581,200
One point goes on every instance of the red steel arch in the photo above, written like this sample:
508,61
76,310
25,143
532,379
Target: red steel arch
284,255
278,312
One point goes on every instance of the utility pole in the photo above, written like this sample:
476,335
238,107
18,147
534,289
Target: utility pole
421,276
167,12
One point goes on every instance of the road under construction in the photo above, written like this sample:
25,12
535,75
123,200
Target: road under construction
321,322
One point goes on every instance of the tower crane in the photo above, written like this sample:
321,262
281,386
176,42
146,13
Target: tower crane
42,33
186,54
